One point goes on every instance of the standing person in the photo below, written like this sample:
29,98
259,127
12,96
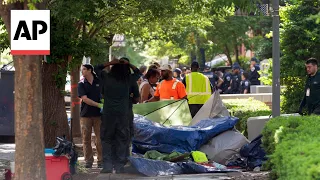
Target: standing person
312,88
169,88
254,75
143,71
245,84
198,87
146,87
234,87
227,76
177,74
89,92
115,128
183,74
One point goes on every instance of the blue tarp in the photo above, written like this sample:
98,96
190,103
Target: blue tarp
153,168
149,135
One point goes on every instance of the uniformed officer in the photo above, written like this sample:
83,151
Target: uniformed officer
312,88
234,87
245,84
254,75
198,87
226,82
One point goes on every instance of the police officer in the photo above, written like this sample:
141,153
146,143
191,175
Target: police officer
254,75
312,88
226,82
245,84
234,87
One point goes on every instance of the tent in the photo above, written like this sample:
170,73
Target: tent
170,112
213,108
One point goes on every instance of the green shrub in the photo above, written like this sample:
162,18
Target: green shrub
293,146
245,108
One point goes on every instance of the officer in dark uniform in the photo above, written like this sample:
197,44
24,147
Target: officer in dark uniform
234,87
226,82
254,75
245,84
312,88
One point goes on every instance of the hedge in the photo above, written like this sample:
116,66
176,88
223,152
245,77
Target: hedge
293,146
245,108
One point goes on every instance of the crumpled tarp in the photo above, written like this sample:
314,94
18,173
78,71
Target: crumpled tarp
154,168
149,135
252,155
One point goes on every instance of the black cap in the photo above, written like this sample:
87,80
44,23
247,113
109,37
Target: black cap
195,64
254,59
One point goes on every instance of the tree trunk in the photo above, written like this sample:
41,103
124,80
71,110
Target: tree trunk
54,112
227,52
29,152
75,102
236,49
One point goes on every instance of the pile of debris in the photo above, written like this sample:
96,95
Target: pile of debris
169,142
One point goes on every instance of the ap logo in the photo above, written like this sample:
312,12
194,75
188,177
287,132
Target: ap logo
30,32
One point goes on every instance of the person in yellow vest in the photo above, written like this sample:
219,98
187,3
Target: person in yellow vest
198,87
169,88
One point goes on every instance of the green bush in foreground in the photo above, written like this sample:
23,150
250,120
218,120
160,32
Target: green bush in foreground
293,146
245,108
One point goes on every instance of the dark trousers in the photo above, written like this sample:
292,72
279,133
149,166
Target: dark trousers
114,139
315,111
194,108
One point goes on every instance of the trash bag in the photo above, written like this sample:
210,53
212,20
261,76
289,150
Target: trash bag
149,135
223,147
213,108
153,168
254,153
66,148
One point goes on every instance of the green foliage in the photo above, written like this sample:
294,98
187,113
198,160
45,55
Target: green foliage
300,39
266,74
295,154
4,37
245,108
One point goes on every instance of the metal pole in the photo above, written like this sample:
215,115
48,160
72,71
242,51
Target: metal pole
276,60
110,51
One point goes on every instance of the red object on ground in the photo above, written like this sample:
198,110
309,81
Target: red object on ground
57,168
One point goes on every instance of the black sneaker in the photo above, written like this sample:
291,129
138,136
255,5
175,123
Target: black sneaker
105,171
88,165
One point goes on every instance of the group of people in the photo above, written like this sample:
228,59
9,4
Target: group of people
108,92
109,89
239,81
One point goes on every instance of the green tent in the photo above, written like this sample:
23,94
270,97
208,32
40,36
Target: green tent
170,112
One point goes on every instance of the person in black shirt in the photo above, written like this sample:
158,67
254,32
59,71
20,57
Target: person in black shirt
115,128
234,87
245,84
226,82
312,88
254,75
89,92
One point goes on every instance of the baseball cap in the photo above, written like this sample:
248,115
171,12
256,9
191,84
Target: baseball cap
166,67
195,64
177,70
235,66
254,59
